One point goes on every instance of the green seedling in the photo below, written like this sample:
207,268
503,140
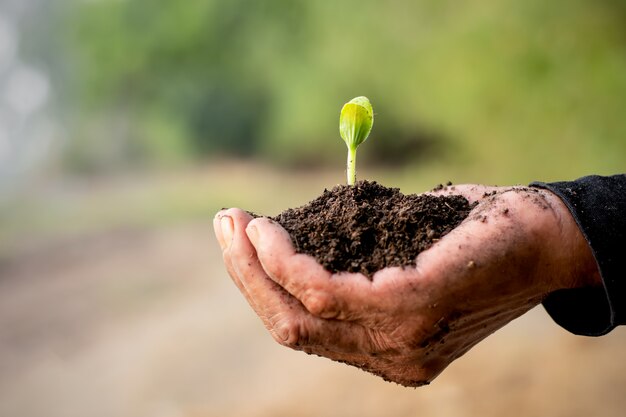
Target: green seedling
355,124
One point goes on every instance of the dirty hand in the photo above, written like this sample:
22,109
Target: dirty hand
407,324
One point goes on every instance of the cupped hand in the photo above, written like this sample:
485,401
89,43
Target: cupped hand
407,324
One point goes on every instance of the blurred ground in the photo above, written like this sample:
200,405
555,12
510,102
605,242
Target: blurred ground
138,318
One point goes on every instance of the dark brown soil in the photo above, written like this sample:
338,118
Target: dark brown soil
367,227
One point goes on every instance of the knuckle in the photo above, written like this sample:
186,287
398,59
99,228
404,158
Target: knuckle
320,303
275,266
288,331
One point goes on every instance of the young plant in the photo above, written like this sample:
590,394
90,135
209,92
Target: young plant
355,124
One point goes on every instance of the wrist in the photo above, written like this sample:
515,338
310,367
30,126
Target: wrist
577,265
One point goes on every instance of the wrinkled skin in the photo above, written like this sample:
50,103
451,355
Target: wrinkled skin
407,324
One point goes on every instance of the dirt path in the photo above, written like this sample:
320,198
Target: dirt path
146,323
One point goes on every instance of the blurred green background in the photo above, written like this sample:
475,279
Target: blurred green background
499,91
126,124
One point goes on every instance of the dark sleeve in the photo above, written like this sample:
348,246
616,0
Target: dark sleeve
598,205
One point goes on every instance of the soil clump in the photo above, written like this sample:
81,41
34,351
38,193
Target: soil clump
367,227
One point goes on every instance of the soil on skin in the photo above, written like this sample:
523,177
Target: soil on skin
367,227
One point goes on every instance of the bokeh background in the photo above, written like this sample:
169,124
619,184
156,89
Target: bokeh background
126,124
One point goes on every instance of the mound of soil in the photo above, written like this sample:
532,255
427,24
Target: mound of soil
367,227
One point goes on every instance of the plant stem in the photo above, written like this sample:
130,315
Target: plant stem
351,165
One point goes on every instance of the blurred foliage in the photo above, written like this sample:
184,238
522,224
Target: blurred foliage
531,87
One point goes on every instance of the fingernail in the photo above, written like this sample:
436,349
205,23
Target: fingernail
226,223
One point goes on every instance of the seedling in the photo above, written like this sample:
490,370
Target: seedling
355,125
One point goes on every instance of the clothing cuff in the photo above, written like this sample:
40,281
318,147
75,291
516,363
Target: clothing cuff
594,203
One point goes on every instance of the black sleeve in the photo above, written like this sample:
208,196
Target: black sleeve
598,205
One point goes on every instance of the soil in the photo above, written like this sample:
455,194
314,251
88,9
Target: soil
367,227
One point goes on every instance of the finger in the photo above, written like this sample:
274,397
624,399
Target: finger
228,226
343,296
284,316
217,228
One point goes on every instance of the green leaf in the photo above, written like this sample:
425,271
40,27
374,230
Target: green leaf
356,121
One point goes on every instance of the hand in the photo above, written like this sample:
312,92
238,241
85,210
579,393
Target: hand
407,324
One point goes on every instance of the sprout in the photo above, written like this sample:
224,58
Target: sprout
355,124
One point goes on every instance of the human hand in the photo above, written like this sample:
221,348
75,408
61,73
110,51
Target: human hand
407,324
